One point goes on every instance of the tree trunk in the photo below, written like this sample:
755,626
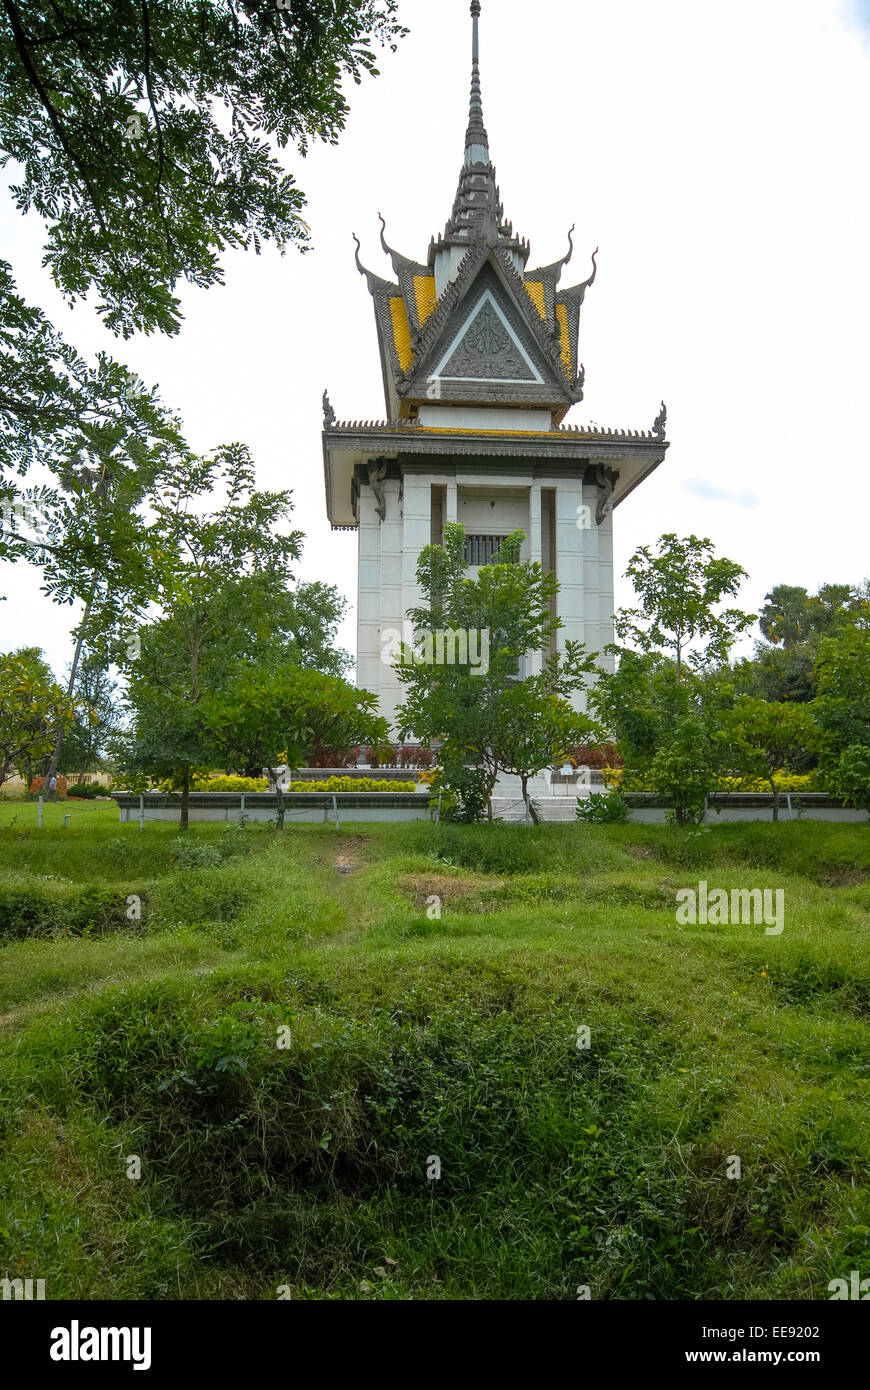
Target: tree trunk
71,685
532,813
773,788
185,799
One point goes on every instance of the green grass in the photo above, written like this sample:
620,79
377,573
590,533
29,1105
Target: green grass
412,1038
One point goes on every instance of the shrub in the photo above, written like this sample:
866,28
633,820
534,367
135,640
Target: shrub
354,784
388,757
86,791
189,853
600,809
603,756
27,913
415,756
334,757
37,785
230,784
851,777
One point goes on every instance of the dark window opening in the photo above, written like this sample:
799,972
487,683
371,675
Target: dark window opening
482,550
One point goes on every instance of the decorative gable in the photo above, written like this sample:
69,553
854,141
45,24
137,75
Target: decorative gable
487,349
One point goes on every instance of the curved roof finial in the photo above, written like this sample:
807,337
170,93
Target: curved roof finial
387,250
591,280
570,245
359,265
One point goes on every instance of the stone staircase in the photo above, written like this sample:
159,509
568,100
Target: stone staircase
555,801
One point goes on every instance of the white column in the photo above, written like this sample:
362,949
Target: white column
452,504
534,662
368,665
571,545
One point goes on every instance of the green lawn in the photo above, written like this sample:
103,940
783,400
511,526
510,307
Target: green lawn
155,1037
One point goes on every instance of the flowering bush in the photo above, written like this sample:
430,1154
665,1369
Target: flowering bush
334,757
37,786
784,782
230,784
354,784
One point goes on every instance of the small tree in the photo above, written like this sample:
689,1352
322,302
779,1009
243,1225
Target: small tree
851,777
483,710
535,725
675,736
771,737
98,717
31,709
273,717
680,589
218,572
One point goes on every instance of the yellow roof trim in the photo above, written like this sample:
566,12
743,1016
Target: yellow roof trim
401,332
443,429
536,295
427,299
562,316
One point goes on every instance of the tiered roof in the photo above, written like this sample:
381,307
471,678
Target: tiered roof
426,307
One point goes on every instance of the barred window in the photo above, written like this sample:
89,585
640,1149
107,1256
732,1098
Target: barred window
482,550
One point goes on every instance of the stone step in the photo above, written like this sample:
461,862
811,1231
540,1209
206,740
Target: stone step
561,810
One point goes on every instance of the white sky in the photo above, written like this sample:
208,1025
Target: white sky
718,155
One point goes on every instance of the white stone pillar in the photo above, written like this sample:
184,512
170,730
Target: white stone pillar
452,512
571,544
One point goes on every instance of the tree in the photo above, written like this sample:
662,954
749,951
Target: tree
850,778
94,545
794,623
785,620
98,717
675,737
679,589
535,724
772,737
217,573
781,675
32,706
267,716
145,132
843,702
49,395
479,704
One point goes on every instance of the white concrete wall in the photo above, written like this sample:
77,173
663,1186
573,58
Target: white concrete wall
389,552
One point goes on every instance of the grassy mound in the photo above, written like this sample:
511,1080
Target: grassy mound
434,1062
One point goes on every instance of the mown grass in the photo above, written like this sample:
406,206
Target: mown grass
428,984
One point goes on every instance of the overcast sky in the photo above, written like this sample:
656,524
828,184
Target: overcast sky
718,156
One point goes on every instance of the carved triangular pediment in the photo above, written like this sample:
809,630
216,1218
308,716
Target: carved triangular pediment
487,348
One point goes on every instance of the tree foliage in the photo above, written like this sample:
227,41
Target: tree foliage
489,717
146,132
680,588
32,706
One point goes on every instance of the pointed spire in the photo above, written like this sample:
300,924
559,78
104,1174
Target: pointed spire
476,139
478,214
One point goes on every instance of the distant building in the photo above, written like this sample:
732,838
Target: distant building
481,364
